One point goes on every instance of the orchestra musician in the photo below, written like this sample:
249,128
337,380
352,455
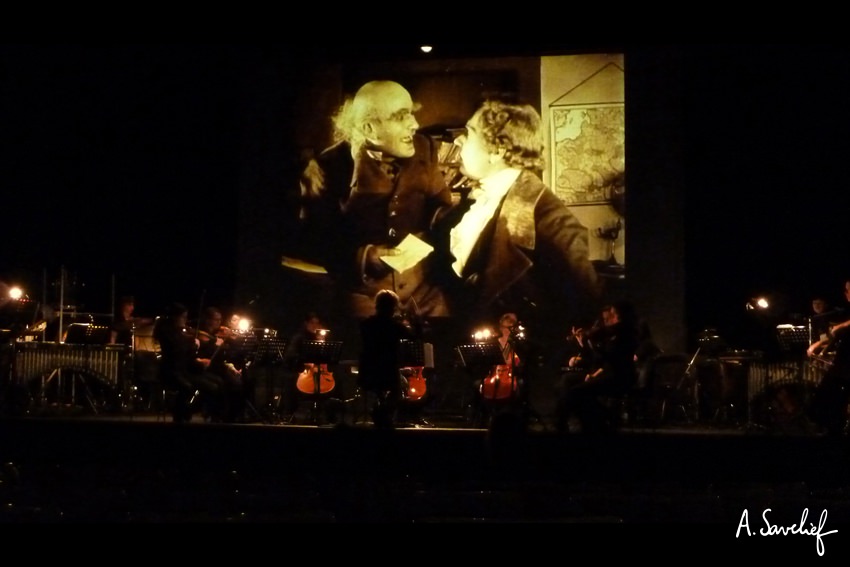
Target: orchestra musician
500,385
310,330
575,356
121,328
613,374
821,319
215,348
507,339
829,407
181,371
140,364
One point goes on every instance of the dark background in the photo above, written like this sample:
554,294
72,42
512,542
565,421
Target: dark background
126,162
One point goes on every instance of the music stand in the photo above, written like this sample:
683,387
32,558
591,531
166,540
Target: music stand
411,353
264,348
319,352
792,338
86,334
242,346
97,334
269,349
479,355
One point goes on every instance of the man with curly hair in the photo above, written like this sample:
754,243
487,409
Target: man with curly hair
519,247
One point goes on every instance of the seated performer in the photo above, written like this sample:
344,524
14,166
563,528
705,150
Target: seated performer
574,358
179,368
499,385
614,372
214,353
829,403
294,365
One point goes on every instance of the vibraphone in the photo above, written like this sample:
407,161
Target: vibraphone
37,365
781,391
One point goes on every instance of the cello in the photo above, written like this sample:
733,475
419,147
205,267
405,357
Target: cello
501,382
413,382
414,385
315,379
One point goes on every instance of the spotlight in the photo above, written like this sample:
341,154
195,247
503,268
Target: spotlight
16,293
482,335
426,48
760,303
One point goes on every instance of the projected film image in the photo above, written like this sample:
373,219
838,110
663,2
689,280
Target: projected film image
472,188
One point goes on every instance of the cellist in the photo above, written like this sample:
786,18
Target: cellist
310,330
502,382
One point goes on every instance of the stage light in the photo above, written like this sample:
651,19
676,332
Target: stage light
16,293
760,303
322,334
426,48
482,335
240,324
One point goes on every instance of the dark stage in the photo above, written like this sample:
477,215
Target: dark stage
71,463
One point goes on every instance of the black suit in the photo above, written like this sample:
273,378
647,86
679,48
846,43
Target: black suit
615,347
369,203
380,364
531,258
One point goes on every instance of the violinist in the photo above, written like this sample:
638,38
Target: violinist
613,373
214,353
576,356
180,370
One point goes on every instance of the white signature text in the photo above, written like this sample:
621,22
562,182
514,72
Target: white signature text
794,529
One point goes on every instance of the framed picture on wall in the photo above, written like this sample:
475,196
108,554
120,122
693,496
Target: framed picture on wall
588,152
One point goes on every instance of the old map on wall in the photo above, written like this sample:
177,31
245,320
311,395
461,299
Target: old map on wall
589,144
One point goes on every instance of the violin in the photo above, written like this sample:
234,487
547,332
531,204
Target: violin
220,333
220,338
224,332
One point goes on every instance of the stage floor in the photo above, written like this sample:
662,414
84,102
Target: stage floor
68,464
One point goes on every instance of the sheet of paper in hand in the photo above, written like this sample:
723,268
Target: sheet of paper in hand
408,253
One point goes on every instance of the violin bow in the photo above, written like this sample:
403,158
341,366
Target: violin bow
200,313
